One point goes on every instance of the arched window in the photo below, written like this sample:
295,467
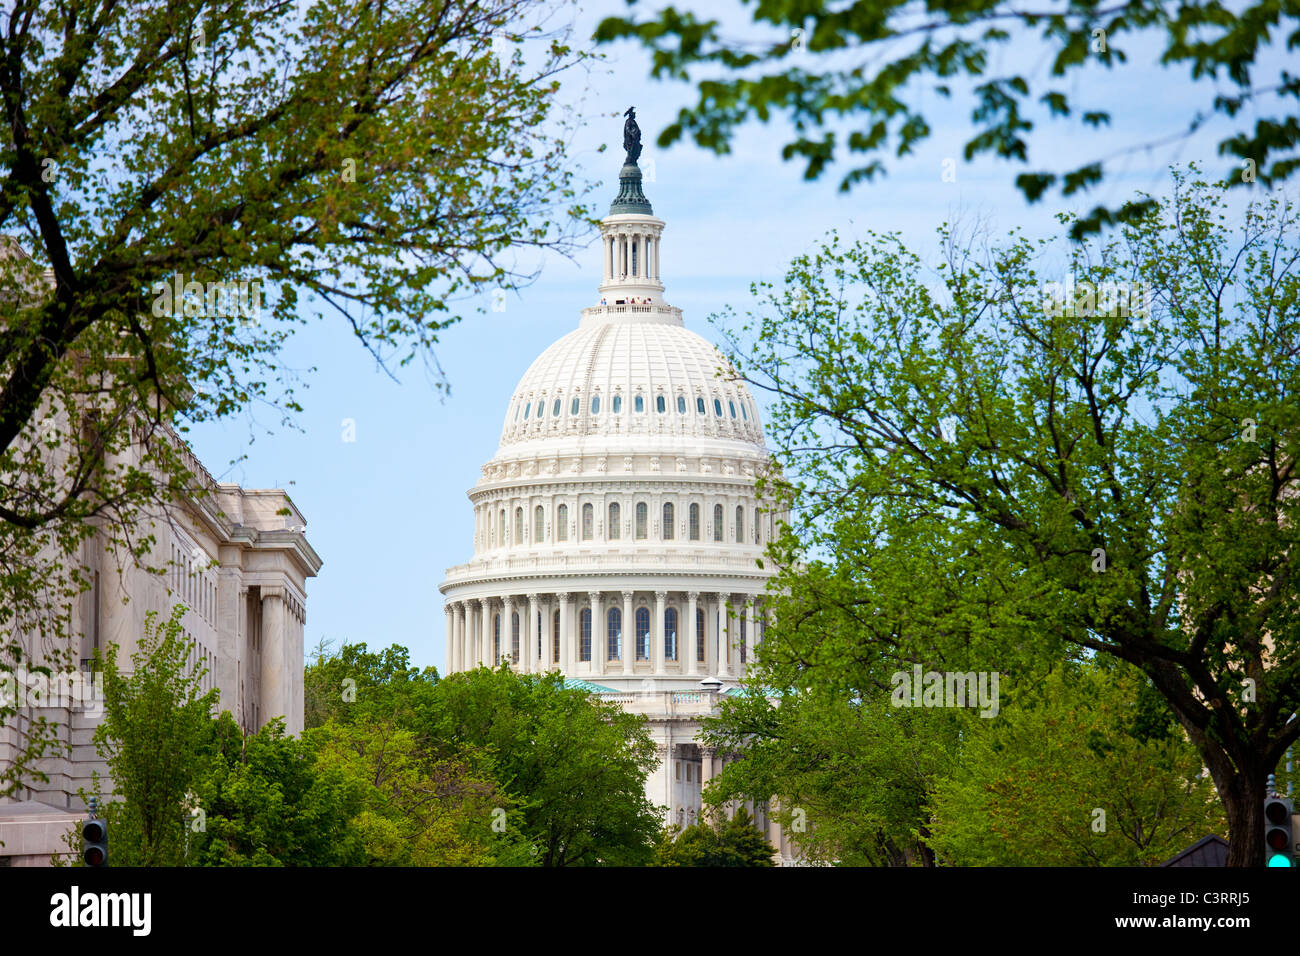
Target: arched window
588,519
562,523
699,406
661,406
555,637
681,405
614,522
595,404
717,408
717,522
695,522
496,639
642,514
618,404
668,521
518,409
643,633
732,406
501,529
527,408
614,634
638,403
555,410
539,524
519,526
541,407
514,637
756,527
743,414
740,525
575,405
699,634
670,634
584,644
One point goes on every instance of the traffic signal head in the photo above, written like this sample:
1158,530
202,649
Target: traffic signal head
1279,846
94,842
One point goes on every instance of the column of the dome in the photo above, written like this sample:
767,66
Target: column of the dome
597,632
657,633
629,632
724,636
451,638
483,635
507,627
749,634
565,663
533,659
462,609
692,660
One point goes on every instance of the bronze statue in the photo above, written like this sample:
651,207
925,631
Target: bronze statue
631,138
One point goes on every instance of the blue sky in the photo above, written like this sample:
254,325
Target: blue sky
388,513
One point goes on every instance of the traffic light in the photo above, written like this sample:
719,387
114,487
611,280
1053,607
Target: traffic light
94,842
1279,846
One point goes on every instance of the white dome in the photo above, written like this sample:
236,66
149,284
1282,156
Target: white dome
587,385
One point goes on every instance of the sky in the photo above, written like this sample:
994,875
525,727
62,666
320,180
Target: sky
388,512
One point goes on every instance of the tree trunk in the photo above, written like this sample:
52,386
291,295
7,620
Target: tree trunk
1243,801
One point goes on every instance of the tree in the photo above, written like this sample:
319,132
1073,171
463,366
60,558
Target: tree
851,78
420,811
155,729
733,843
355,682
993,469
1075,775
577,764
192,180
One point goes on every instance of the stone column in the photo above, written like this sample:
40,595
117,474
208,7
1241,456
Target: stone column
565,663
597,633
532,660
692,663
657,633
751,639
274,690
733,639
507,627
629,632
484,631
670,775
724,635
451,638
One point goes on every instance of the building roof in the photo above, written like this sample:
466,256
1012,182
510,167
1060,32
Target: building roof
1207,851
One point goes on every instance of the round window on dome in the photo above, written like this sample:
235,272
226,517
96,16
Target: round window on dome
732,406
681,405
595,404
555,410
618,404
699,406
639,404
574,405
717,408
660,405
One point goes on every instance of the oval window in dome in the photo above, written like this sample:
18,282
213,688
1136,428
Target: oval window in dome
555,410
518,409
618,404
743,414
681,405
639,404
699,405
660,405
717,408
541,408
732,406
595,404
574,405
527,408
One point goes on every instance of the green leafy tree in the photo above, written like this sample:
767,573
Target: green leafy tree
851,78
985,474
192,180
1075,773
733,843
263,799
578,764
420,811
354,683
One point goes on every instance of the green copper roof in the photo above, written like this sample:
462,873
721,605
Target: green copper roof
630,198
576,683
